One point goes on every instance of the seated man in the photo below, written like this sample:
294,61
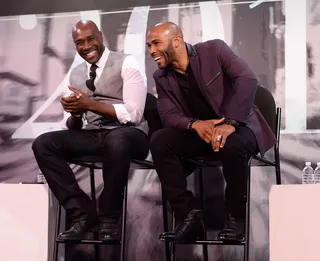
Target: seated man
109,92
206,95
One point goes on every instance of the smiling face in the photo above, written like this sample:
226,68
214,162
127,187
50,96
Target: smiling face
88,41
161,46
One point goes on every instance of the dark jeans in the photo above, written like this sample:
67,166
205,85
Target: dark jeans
118,146
168,146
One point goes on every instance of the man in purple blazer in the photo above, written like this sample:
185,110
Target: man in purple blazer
205,101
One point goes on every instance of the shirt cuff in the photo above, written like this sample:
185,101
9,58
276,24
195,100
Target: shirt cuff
122,114
63,123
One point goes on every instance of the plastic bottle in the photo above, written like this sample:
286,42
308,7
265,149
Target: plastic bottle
307,174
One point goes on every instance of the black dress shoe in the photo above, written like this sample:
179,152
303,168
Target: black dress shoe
77,231
190,229
233,230
109,230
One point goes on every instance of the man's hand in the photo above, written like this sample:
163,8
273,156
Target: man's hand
70,95
219,136
205,128
77,103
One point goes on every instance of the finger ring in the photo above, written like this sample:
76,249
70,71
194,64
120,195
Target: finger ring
219,137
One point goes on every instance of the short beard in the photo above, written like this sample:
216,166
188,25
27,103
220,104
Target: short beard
169,52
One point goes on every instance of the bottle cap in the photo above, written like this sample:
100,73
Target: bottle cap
308,163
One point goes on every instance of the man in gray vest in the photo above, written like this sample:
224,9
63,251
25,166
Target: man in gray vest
109,93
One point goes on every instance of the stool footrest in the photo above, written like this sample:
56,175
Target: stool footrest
212,242
89,241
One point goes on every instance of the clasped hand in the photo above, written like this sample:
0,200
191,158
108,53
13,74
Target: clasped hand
77,103
213,133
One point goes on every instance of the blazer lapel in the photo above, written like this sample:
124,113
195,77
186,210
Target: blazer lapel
195,66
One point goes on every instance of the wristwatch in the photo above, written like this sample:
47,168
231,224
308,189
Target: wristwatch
191,122
233,123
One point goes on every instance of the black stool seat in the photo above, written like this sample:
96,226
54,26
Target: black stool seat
96,162
213,160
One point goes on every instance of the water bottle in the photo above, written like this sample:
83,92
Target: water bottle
307,174
40,178
317,174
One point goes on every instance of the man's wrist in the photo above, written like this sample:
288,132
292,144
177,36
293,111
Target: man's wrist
191,123
231,122
90,106
76,116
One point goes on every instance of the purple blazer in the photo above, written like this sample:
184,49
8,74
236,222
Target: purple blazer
225,80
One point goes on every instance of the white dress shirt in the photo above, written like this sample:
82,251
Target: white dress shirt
134,89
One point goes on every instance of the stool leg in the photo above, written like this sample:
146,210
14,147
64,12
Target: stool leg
56,232
173,254
173,245
276,148
93,187
203,199
278,170
124,223
247,225
94,202
165,224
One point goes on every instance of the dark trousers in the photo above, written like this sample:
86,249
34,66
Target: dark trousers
168,146
117,146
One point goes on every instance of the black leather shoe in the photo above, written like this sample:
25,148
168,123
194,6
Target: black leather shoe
233,230
109,230
190,229
77,231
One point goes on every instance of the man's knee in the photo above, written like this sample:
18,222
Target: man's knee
236,145
41,142
160,139
115,143
123,140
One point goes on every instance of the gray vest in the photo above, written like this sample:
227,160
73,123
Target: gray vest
108,90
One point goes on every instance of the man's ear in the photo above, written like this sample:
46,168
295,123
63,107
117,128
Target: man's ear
100,36
176,41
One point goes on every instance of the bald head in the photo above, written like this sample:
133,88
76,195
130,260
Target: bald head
85,25
168,29
88,40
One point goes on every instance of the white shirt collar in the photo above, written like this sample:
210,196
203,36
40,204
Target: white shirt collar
102,61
